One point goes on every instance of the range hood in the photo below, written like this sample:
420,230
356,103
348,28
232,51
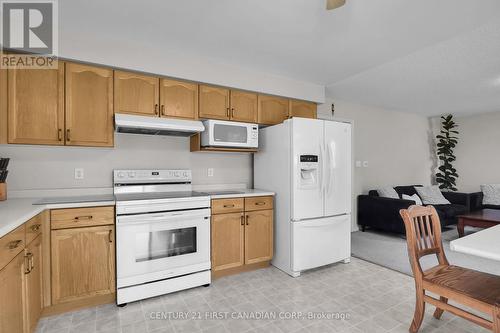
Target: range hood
125,123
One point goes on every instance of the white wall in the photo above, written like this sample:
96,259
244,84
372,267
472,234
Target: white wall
478,150
395,144
44,167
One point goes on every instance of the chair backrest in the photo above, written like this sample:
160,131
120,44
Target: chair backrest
423,235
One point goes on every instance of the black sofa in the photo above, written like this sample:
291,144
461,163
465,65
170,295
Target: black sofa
383,213
476,200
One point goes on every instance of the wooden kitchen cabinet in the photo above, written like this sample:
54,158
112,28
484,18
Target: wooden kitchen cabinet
33,284
242,234
214,102
258,236
227,241
89,106
272,110
3,105
11,296
83,263
243,106
303,109
178,99
36,106
136,94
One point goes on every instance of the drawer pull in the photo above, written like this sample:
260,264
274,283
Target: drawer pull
260,203
110,236
242,219
247,217
229,206
35,227
14,244
86,217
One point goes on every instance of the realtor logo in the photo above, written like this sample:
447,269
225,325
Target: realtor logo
29,29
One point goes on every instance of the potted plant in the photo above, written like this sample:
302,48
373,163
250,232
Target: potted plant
447,141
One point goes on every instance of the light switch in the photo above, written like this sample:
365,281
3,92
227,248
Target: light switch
358,164
210,172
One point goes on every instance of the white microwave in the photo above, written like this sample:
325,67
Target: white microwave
221,133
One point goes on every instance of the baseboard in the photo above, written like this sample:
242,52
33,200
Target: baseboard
241,269
77,305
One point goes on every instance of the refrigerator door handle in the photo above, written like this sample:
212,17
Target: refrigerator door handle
331,166
323,169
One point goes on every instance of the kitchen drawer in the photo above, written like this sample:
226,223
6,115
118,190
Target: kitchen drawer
222,206
33,228
81,217
258,203
11,245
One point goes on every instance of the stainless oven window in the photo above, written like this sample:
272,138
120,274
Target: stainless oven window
164,243
230,133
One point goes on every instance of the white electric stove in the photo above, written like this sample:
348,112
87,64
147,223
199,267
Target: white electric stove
162,233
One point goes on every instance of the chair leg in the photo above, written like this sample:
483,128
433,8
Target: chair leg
439,312
496,319
418,317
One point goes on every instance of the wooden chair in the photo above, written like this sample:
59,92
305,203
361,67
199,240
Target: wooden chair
476,290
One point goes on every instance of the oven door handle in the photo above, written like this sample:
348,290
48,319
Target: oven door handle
145,219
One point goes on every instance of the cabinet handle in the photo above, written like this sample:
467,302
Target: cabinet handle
260,203
32,265
110,236
246,218
59,135
35,227
163,110
68,131
232,112
87,217
156,109
242,220
229,206
227,112
14,244
28,261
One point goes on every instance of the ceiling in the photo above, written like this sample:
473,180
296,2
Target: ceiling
426,56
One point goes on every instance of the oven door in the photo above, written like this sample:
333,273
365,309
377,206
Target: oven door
229,134
158,246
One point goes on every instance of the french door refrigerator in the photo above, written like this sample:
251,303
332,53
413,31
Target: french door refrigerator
308,164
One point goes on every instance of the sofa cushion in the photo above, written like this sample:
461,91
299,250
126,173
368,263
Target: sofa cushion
388,192
431,195
408,190
491,194
451,211
414,197
491,207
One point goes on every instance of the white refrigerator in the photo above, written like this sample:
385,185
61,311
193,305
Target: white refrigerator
308,164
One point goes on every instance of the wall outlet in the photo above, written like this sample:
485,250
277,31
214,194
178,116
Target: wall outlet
210,172
365,164
79,173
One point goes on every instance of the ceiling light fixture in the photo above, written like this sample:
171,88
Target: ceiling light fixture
333,4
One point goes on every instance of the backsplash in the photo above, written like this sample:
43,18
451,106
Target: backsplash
49,167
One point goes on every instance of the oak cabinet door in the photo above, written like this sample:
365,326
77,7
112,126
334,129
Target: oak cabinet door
36,106
243,106
227,241
33,284
179,99
272,110
258,236
83,263
11,295
303,109
136,94
89,106
214,102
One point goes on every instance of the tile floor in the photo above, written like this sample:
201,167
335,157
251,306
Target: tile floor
372,299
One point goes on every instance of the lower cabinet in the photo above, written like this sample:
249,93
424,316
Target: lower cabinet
83,263
11,296
243,239
33,284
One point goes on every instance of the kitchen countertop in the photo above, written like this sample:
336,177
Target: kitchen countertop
16,211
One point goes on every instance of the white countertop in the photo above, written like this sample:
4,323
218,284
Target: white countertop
16,211
484,243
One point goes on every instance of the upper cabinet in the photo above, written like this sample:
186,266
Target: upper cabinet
89,106
302,109
243,106
214,102
226,104
272,110
178,99
136,94
36,106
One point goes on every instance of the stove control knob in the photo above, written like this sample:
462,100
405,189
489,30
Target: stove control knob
121,175
176,174
185,174
131,174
